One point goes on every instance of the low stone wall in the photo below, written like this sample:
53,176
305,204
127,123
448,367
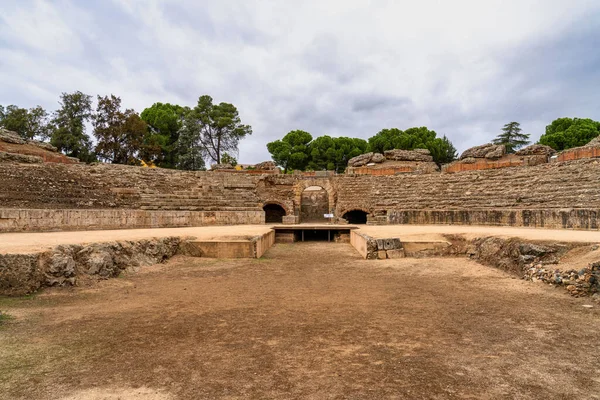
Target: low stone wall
66,264
263,243
477,164
38,220
235,247
364,244
578,153
586,219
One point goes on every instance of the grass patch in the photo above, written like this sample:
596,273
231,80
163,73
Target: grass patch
12,301
5,317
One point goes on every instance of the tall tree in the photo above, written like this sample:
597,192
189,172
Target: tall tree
512,137
441,149
188,146
291,152
68,126
120,134
164,121
565,133
29,124
220,127
333,153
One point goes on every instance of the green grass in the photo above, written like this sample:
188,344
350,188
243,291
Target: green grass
12,301
5,317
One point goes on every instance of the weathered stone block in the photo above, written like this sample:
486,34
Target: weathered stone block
398,253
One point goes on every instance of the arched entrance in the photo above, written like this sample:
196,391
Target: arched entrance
356,217
274,213
314,204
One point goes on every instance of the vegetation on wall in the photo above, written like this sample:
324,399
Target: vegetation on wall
566,133
512,137
442,150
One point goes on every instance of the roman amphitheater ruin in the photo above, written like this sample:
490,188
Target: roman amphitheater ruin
533,215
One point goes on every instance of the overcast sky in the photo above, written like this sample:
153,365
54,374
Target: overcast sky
463,68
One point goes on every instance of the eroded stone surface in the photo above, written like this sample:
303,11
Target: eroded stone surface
65,264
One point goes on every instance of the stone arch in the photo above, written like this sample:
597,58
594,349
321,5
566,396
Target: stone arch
325,184
301,185
355,215
288,208
274,212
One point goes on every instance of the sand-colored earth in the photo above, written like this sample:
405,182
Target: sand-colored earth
35,242
309,321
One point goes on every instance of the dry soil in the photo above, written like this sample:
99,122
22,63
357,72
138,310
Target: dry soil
309,321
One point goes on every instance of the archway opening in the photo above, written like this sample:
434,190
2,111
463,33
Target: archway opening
356,217
274,213
314,204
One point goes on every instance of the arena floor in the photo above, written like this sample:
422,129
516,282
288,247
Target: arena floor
308,321
34,242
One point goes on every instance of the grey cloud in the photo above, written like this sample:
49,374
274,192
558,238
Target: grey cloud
370,102
319,80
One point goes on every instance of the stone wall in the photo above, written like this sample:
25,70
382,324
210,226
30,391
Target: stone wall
557,195
554,186
22,220
586,219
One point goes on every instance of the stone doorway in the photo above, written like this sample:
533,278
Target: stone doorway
314,204
356,217
274,213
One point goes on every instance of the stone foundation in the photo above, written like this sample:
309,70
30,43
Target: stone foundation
586,219
36,220
65,265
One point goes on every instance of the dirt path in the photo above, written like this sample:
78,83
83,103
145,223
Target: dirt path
310,321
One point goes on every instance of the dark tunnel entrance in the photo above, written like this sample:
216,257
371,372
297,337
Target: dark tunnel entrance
274,213
356,217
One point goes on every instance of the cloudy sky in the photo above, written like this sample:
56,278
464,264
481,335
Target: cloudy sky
463,68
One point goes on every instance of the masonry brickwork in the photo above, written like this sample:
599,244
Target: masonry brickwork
558,194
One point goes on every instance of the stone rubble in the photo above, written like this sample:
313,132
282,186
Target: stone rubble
488,150
408,155
536,150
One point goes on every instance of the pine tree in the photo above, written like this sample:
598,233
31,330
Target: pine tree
512,138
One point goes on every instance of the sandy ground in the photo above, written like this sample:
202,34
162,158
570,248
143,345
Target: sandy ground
309,321
35,242
470,232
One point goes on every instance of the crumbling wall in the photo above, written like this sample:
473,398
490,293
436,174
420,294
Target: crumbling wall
538,262
66,265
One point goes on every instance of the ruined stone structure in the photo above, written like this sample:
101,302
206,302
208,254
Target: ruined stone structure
42,190
50,196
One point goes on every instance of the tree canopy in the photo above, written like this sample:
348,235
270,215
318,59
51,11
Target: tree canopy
333,153
291,152
512,137
69,126
164,123
219,127
120,134
29,124
441,149
565,133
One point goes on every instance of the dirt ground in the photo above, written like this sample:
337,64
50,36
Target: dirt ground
308,321
22,242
